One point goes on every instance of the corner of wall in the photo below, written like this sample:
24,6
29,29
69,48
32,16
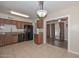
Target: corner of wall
74,52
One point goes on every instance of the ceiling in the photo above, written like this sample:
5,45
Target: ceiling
30,7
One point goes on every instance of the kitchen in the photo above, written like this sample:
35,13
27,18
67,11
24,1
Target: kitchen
12,31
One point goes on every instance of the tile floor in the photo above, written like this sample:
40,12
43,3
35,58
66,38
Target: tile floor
31,50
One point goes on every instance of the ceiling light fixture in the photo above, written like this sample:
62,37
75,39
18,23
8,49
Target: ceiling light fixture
59,20
41,13
19,14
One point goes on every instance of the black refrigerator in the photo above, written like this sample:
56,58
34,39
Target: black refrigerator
28,32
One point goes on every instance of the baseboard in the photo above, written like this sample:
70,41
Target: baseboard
73,52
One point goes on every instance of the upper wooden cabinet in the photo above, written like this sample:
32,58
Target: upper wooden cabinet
39,23
22,25
13,22
6,21
1,21
27,23
19,24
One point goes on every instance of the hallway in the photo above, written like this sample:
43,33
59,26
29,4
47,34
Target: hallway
57,32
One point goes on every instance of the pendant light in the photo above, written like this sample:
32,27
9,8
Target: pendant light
41,13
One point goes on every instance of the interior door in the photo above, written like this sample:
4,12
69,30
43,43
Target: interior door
53,31
61,24
48,32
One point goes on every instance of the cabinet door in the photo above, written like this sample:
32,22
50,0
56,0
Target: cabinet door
13,22
14,39
27,23
1,21
6,40
6,21
11,39
1,41
39,23
18,24
22,25
38,38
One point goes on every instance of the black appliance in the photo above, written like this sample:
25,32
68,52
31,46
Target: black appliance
28,32
20,37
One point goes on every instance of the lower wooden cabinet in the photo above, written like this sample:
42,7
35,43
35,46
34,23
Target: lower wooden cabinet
8,39
38,38
1,42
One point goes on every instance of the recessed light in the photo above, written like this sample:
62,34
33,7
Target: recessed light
19,14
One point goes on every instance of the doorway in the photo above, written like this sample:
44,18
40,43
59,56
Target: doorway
57,32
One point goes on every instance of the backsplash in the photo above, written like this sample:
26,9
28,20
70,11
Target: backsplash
9,28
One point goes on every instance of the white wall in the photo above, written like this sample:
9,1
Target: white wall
12,17
73,26
57,31
65,30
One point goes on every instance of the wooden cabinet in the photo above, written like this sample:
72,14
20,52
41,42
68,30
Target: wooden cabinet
9,38
6,21
1,21
39,23
22,25
38,38
27,23
19,25
13,22
14,38
1,40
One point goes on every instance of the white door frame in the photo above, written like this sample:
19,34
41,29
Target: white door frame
44,31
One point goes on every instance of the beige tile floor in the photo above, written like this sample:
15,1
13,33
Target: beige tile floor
31,50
